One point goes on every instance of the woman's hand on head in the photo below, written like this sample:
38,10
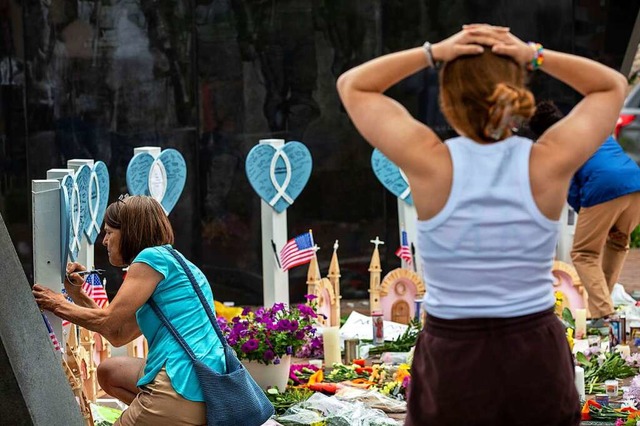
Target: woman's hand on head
470,41
46,298
511,46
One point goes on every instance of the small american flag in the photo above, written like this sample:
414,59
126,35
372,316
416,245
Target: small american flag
404,251
297,251
52,335
95,289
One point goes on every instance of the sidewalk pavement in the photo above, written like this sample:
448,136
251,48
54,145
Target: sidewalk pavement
630,275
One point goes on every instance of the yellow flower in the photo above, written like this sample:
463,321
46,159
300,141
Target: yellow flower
403,371
316,377
570,337
228,312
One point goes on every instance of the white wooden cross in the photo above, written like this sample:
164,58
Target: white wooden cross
377,241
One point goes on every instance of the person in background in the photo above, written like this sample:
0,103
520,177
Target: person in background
605,192
163,389
488,206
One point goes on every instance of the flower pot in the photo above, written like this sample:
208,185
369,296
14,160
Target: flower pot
270,375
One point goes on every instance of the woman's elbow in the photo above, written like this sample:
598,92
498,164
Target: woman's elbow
116,339
343,83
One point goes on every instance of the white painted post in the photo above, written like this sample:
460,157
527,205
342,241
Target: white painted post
568,220
408,217
86,253
275,282
45,202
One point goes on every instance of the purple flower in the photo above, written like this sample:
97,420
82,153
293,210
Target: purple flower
246,311
310,297
307,311
269,355
284,325
250,345
267,334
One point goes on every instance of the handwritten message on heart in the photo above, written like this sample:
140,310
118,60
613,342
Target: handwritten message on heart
163,178
278,175
391,176
97,199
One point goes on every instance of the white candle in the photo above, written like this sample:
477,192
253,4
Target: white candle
581,323
624,350
331,345
579,381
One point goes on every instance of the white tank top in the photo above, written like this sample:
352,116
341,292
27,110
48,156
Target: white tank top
488,253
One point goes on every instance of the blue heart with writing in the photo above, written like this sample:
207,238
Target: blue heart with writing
97,199
278,175
163,178
176,176
391,176
78,209
138,173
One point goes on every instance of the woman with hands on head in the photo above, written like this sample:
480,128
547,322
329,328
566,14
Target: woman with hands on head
488,205
163,389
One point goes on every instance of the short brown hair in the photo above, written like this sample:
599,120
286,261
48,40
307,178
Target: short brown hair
481,94
142,223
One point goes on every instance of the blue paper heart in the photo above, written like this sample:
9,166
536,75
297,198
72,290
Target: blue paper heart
65,227
73,214
389,175
291,165
78,209
138,174
176,176
163,178
97,199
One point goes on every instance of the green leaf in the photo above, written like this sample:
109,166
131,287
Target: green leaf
567,316
582,359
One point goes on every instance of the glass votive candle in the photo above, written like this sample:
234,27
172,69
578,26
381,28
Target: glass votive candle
611,388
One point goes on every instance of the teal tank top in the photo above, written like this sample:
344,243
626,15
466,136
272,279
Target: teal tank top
180,304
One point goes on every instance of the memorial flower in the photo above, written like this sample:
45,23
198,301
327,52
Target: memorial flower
268,334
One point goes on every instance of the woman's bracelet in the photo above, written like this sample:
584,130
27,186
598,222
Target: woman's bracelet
427,52
538,56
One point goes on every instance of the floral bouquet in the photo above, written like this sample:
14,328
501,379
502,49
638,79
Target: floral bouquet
268,334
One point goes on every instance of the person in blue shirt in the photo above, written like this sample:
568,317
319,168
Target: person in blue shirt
605,192
163,389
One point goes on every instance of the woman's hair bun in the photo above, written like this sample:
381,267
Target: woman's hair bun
508,104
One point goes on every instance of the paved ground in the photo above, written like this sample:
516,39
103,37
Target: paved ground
629,278
630,275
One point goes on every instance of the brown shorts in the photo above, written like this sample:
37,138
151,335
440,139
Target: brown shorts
493,371
159,404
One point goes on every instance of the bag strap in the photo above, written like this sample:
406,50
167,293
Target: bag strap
205,304
172,329
198,290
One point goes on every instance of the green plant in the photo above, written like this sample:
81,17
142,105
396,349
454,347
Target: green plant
403,343
268,334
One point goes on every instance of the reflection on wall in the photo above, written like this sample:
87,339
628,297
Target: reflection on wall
94,79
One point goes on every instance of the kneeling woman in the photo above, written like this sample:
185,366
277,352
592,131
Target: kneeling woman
164,389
